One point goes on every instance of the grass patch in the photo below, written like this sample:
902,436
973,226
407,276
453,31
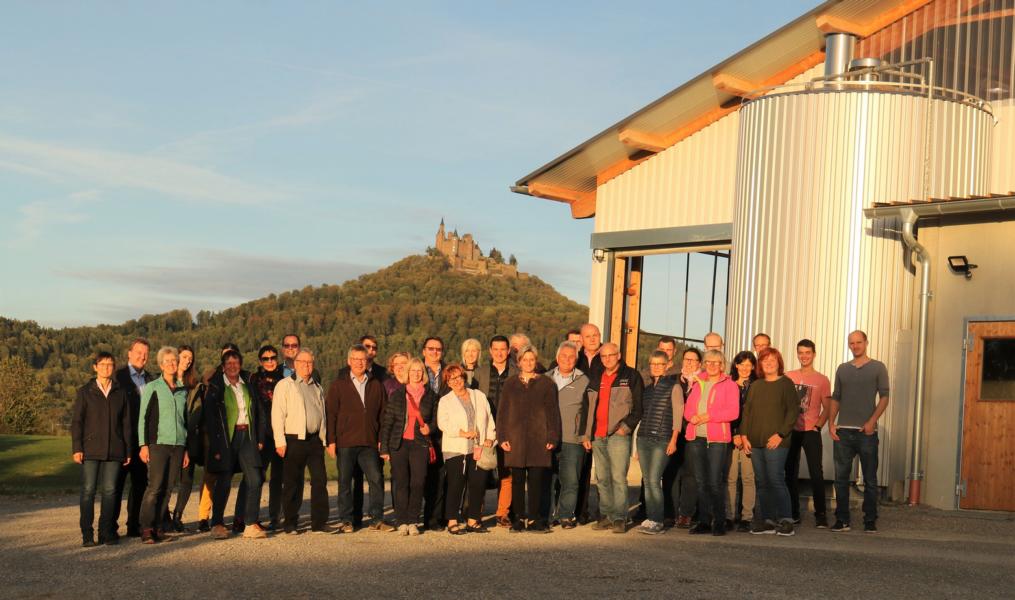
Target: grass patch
42,464
37,464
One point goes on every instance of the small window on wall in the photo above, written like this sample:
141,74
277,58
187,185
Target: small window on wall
998,379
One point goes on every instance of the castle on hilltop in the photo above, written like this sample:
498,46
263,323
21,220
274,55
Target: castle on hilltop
464,255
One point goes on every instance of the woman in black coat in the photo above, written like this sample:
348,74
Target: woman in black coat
407,444
528,427
101,426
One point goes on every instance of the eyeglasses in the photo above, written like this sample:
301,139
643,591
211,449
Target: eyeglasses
306,362
273,357
456,378
657,364
714,363
601,355
691,360
370,346
433,349
357,360
290,346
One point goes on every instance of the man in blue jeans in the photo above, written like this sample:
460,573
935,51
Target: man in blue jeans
853,421
614,410
353,410
572,397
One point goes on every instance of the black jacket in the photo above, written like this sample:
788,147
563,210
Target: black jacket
218,455
101,427
197,440
262,384
122,377
395,414
593,369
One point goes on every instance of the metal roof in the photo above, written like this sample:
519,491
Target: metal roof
943,206
770,61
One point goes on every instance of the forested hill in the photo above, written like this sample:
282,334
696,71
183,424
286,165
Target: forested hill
401,304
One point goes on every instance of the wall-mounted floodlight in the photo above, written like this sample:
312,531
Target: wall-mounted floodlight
599,254
961,264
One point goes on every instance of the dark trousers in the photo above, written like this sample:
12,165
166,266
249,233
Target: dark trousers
301,455
183,493
535,477
680,485
367,458
584,485
710,464
164,464
435,493
853,443
465,481
408,480
245,454
810,442
101,476
274,461
137,470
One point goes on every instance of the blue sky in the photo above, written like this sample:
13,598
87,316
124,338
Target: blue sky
198,155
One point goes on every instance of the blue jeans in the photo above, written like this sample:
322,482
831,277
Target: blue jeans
654,460
370,462
101,475
853,442
613,459
710,463
770,481
570,461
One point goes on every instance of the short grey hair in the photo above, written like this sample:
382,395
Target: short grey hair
356,348
163,351
520,337
713,354
305,351
564,345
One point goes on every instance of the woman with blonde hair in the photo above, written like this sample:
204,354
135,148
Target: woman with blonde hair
471,352
406,424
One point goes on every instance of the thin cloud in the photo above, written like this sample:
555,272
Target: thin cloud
123,170
35,218
218,279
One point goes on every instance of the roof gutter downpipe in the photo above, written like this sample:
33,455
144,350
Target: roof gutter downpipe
611,265
909,218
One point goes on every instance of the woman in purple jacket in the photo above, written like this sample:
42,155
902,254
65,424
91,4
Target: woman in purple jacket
713,402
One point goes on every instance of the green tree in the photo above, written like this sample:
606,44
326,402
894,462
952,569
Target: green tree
21,396
496,255
513,261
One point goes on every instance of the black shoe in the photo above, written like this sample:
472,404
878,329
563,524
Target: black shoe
785,528
87,539
539,528
272,526
744,527
178,526
840,527
288,530
870,527
699,529
620,526
762,528
568,524
110,539
203,526
821,521
718,531
517,526
133,532
238,526
729,525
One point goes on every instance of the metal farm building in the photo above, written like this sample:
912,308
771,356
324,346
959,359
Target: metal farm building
853,170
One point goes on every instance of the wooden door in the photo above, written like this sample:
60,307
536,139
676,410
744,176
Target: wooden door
988,423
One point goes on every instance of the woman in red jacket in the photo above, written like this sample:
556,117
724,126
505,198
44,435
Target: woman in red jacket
713,402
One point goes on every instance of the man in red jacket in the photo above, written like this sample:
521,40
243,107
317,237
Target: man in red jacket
353,412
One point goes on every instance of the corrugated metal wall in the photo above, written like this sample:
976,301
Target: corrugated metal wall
971,43
690,183
805,261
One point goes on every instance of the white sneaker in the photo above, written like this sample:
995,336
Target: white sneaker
650,527
413,530
403,529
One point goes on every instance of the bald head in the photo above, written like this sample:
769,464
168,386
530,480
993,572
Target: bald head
591,338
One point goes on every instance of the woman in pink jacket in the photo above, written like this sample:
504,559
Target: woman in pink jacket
713,402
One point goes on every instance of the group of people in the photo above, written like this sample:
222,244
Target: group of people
709,436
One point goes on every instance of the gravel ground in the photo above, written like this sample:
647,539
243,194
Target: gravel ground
918,553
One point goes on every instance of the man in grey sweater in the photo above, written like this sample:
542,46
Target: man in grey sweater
853,426
572,396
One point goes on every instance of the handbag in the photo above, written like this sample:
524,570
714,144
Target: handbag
488,459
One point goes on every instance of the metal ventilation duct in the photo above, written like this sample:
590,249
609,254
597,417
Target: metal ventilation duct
838,52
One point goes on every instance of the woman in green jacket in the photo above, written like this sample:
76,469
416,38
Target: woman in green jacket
162,433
